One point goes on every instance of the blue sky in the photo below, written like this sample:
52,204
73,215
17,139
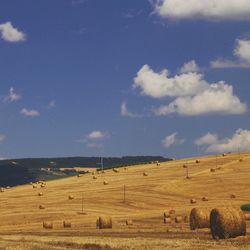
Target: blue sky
93,77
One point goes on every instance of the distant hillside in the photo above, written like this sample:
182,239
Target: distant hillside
19,171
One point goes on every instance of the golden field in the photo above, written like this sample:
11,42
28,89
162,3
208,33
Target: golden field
146,199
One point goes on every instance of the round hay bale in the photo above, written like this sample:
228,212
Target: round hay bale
43,185
145,174
166,215
66,224
125,168
40,194
70,197
199,218
105,183
232,196
41,207
224,154
240,160
34,186
178,219
47,225
104,222
93,173
247,216
212,170
129,222
94,177
186,219
2,189
192,201
204,198
167,220
116,170
158,164
227,223
184,166
79,175
197,161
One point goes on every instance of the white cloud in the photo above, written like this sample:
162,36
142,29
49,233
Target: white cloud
190,66
240,139
126,112
2,138
203,9
171,140
194,95
12,96
29,112
207,139
242,57
160,85
11,34
96,135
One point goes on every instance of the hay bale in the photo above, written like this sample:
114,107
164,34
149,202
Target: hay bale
197,161
105,183
41,207
227,223
166,215
66,224
178,219
224,154
125,168
204,198
47,225
167,220
104,222
212,170
79,175
145,174
129,222
40,194
70,197
199,218
43,185
158,164
116,170
192,201
186,219
184,166
232,196
94,177
2,189
34,186
171,211
247,216
240,160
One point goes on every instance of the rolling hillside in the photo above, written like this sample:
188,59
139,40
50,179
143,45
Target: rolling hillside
146,198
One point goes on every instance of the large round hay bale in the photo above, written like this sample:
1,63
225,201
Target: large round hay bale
197,161
47,225
70,197
178,219
41,207
116,170
67,224
104,222
40,194
34,186
129,222
204,198
167,220
145,174
105,183
212,170
199,218
227,223
94,177
2,189
184,166
192,201
232,196
247,216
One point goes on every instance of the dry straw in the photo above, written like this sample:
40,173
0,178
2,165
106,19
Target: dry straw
66,224
104,222
47,225
227,223
199,218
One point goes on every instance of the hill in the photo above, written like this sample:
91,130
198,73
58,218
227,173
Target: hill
146,198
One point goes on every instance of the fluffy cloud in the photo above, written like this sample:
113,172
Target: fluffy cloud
242,57
207,139
193,95
96,135
12,96
240,139
190,66
11,34
203,9
2,138
171,140
29,112
126,112
93,139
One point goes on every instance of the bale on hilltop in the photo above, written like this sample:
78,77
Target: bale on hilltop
232,196
94,177
104,222
70,197
197,161
116,170
66,224
178,219
145,174
204,198
199,218
40,194
167,220
129,222
227,223
192,201
2,189
105,183
41,207
212,170
47,225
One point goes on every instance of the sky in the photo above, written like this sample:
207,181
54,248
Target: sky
117,78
